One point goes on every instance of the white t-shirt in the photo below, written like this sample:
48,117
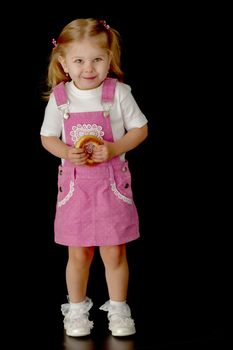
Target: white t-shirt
124,113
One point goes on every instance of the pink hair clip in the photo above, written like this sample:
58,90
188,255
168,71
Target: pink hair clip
54,42
105,24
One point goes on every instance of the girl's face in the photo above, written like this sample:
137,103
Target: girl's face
86,63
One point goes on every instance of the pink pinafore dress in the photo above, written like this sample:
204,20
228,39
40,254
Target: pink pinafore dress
95,205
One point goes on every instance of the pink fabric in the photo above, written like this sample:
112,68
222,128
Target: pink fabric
60,94
95,204
108,90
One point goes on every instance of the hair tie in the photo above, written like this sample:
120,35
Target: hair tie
54,42
105,24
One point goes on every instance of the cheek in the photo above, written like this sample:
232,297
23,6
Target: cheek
74,70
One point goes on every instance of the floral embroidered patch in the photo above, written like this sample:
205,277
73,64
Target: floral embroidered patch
80,130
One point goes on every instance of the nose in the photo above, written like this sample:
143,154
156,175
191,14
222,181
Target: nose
88,66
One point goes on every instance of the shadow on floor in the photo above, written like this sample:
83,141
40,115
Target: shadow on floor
109,343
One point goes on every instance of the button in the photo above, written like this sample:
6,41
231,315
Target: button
60,189
124,169
60,172
126,185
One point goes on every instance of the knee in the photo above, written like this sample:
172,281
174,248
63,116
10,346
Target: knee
113,255
81,256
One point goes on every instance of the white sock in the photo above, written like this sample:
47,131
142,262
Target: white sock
117,303
76,306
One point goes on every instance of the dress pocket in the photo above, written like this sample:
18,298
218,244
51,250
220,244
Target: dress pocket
121,187
65,187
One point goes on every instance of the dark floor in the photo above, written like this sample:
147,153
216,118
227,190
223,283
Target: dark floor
151,336
163,321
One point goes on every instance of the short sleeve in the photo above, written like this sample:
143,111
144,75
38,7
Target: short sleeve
131,113
52,123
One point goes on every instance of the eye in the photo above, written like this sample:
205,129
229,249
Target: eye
78,60
98,59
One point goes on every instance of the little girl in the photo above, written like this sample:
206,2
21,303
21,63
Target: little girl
95,207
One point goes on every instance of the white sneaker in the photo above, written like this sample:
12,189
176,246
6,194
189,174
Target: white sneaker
120,321
76,322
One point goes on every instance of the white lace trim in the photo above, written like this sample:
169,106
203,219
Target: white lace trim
74,324
82,308
120,321
119,195
80,130
119,316
75,319
68,196
123,309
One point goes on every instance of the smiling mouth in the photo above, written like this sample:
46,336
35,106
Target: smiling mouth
89,78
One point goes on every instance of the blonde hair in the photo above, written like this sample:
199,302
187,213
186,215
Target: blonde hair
77,30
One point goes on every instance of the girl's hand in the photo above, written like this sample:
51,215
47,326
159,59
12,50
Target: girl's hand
76,156
103,152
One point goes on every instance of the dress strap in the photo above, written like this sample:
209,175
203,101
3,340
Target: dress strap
60,94
61,99
108,92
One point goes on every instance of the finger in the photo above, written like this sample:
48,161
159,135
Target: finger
79,151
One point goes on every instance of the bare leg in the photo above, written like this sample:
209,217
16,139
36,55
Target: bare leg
116,271
77,272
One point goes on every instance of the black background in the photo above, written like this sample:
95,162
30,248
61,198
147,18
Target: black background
176,267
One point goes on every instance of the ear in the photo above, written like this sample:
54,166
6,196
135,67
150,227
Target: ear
62,61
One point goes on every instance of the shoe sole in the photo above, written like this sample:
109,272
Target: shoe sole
78,334
122,334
